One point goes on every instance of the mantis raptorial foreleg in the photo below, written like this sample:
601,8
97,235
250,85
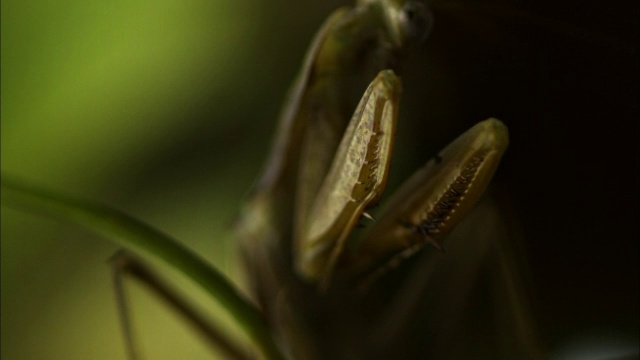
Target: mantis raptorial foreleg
356,179
434,199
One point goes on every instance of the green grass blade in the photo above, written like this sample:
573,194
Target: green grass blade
141,238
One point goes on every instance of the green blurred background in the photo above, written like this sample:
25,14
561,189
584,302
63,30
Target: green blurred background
165,109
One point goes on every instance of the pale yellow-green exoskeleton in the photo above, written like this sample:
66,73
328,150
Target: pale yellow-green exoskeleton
356,179
349,50
330,162
435,198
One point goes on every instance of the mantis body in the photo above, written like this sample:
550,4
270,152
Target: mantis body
329,164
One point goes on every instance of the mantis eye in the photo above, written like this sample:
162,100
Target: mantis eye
416,21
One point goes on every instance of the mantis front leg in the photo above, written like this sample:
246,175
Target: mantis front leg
429,205
356,179
434,199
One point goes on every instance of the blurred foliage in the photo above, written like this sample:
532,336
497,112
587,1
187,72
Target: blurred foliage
163,109
99,99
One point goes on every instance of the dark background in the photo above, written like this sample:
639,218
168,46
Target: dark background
570,99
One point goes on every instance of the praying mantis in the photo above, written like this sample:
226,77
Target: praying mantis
296,239
295,270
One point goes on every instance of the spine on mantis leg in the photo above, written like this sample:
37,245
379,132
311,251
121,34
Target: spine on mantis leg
369,38
356,179
432,202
